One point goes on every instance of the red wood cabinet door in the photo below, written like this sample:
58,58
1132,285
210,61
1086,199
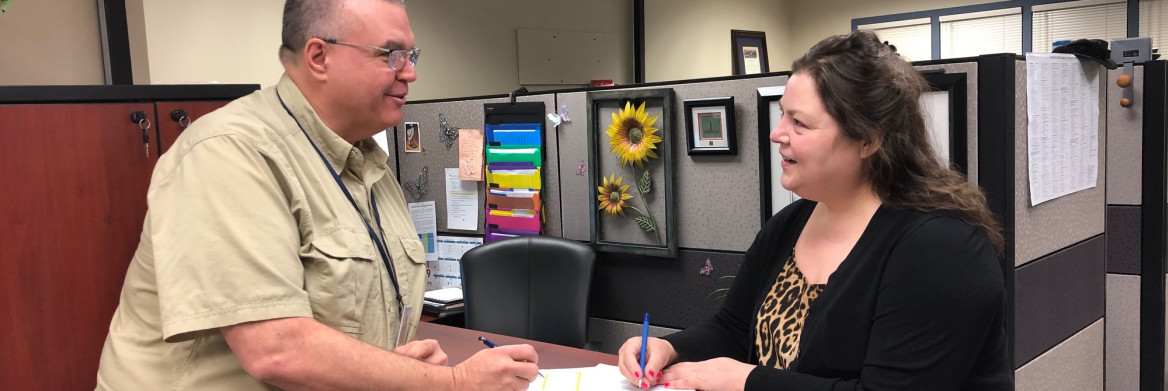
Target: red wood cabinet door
73,182
169,128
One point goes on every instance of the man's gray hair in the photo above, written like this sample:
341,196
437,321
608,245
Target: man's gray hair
307,19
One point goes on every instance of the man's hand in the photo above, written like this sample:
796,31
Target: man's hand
505,368
426,350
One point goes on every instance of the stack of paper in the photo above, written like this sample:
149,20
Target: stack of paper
599,378
443,302
514,164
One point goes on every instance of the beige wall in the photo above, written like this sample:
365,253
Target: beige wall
224,41
51,42
469,46
689,39
814,20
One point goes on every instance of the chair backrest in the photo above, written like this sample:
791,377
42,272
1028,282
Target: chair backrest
533,287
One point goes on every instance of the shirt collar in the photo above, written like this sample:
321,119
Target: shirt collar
335,149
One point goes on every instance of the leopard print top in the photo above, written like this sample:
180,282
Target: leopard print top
780,319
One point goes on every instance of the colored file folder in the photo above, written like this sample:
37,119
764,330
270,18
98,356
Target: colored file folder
527,179
531,155
515,134
522,223
504,202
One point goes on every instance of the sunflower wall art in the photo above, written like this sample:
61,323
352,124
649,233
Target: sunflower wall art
631,158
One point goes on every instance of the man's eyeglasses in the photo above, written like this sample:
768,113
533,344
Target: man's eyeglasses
395,58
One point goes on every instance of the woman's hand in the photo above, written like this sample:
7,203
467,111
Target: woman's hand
719,374
660,354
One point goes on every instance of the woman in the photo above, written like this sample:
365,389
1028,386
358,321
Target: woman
886,275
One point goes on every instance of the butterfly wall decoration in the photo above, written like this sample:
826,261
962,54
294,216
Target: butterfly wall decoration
580,171
446,132
560,117
706,269
418,187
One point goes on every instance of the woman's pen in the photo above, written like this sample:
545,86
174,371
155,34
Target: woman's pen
492,346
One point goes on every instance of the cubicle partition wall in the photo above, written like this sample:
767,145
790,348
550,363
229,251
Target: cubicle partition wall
1058,249
1124,173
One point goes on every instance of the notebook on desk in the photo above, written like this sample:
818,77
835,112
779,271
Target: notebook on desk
444,296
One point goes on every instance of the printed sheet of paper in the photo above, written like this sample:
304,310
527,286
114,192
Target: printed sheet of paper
599,378
470,154
1062,139
446,271
462,202
426,223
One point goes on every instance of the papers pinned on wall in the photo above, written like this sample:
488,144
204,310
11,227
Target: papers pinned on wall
1062,138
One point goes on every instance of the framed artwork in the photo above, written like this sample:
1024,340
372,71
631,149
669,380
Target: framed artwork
412,138
773,196
710,126
944,108
749,52
630,171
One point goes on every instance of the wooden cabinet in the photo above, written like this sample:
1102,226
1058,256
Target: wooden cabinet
73,180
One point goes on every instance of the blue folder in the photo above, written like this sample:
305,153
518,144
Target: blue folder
515,134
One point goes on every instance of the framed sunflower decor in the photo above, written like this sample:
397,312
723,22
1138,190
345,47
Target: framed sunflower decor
631,159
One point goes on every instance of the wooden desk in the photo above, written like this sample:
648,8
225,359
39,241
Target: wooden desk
459,344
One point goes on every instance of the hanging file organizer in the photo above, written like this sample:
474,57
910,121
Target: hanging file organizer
514,174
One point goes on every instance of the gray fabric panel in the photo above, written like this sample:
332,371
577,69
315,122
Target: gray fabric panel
1123,332
576,200
467,115
1123,239
717,196
1074,365
1124,140
1058,223
970,71
611,334
626,286
1058,295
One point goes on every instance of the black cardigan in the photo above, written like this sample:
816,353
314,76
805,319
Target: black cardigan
918,304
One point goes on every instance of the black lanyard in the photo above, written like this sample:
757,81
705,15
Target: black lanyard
376,214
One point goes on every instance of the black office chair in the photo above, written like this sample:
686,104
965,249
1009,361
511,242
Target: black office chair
533,287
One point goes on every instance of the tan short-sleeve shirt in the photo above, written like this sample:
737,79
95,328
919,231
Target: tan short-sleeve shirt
246,223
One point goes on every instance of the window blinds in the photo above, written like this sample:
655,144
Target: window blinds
1094,19
912,38
1154,21
972,34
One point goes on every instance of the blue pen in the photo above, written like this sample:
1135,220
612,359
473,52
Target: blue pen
492,346
644,347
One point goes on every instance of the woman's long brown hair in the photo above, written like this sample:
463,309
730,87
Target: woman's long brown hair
874,95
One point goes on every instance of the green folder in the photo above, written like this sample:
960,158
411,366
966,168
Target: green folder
531,155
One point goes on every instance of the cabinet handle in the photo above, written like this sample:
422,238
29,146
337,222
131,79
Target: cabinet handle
139,117
180,116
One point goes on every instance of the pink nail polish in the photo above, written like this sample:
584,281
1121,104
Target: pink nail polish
667,384
650,373
636,374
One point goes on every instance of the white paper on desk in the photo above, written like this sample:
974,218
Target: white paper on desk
1062,138
599,378
462,202
424,221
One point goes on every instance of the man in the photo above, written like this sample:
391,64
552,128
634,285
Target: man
278,250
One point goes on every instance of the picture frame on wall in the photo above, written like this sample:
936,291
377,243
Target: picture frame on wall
944,109
710,126
749,52
635,210
772,194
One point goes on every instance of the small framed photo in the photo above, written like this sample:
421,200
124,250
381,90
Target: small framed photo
748,51
709,126
412,139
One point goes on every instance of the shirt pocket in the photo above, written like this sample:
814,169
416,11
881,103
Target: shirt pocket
342,279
